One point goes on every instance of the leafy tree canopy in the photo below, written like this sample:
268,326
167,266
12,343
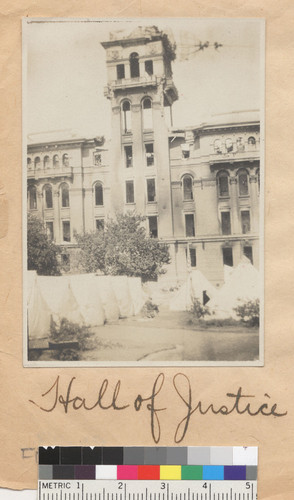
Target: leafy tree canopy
42,253
123,248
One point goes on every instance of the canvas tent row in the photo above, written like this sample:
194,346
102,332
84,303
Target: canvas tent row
86,299
242,284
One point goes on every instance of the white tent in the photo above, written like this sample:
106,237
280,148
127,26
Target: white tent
242,284
137,294
108,297
87,295
39,314
193,288
121,289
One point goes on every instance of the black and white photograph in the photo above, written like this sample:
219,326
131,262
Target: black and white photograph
143,192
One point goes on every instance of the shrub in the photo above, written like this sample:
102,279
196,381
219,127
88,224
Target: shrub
68,331
198,309
249,312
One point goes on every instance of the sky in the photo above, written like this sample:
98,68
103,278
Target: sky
65,71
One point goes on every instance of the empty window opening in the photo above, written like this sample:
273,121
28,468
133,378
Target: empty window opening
64,196
218,146
240,144
120,71
226,222
153,228
185,151
188,187
192,257
100,224
97,159
65,160
151,190
245,221
134,65
247,251
48,197
127,119
243,183
251,141
130,196
149,67
32,197
147,114
46,161
55,161
49,230
129,156
223,184
228,256
66,230
149,152
229,145
189,225
98,194
37,162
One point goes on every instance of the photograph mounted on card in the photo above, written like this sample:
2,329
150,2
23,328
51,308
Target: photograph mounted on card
143,192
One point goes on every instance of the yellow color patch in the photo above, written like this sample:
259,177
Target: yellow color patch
170,472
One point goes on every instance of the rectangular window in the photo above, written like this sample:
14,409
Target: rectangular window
185,151
49,230
226,222
245,221
247,251
149,67
100,224
130,198
228,257
149,152
153,229
120,71
189,224
66,230
193,257
129,156
151,192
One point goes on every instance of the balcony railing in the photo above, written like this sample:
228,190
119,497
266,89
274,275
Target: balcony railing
44,173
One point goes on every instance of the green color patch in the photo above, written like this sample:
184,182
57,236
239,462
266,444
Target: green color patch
192,472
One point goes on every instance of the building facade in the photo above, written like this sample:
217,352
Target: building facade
198,187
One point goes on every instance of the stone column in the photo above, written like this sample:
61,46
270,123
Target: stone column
254,198
235,222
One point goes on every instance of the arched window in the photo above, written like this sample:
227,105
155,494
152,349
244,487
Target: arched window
251,140
32,197
48,196
37,162
187,188
65,160
243,182
223,183
134,65
229,145
126,116
64,192
218,146
147,114
98,194
55,161
240,144
46,161
29,162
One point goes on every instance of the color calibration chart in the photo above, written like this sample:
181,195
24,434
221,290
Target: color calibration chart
148,473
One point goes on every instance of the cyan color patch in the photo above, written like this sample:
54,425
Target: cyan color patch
213,473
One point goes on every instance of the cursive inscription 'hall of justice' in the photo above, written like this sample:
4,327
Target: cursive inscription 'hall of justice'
108,398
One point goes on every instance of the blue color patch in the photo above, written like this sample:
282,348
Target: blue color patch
213,472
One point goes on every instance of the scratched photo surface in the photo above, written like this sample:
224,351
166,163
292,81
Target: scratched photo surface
143,193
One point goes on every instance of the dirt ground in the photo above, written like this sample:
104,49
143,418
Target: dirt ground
169,336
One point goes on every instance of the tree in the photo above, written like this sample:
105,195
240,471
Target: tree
41,253
123,248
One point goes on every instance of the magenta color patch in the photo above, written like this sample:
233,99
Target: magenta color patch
127,472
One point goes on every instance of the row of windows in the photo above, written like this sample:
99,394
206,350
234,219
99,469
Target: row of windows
47,161
227,258
242,179
147,117
48,196
66,233
225,223
149,155
229,145
134,67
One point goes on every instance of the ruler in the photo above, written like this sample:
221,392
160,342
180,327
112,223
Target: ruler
146,490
